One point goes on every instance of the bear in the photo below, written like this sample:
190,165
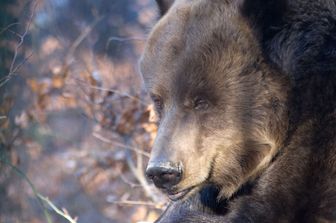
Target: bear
245,92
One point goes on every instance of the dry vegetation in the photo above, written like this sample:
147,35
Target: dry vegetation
75,123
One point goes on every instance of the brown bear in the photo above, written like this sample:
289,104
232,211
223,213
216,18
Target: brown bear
246,95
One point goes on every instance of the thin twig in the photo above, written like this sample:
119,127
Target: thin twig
15,33
7,27
22,37
63,213
22,62
4,80
122,39
40,198
108,141
111,91
76,43
3,117
137,169
127,202
138,172
13,69
36,194
127,181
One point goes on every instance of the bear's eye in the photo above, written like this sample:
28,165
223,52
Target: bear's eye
158,102
200,104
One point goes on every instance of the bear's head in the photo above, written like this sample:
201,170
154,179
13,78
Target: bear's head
222,108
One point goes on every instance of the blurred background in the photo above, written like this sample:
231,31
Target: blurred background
76,125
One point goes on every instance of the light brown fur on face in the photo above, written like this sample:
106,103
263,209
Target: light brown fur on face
242,126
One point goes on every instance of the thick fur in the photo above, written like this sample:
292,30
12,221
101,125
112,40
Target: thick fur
267,70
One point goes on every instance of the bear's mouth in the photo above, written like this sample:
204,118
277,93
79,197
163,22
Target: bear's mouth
175,196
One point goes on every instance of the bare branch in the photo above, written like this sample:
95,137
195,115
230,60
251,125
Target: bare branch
8,27
4,80
15,33
76,43
108,141
127,181
22,62
111,91
123,39
32,186
22,37
64,213
136,169
13,69
138,172
127,202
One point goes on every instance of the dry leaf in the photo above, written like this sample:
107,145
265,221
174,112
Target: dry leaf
57,82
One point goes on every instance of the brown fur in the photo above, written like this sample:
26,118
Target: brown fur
250,130
223,67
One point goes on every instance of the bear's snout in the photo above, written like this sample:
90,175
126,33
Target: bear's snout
164,175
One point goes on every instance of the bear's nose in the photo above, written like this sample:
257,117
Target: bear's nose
165,175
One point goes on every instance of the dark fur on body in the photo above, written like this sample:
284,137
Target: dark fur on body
296,40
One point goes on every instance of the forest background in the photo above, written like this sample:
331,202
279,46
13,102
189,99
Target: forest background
76,125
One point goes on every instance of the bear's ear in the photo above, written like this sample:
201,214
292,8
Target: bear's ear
164,5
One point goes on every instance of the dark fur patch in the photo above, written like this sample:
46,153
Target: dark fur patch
164,5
